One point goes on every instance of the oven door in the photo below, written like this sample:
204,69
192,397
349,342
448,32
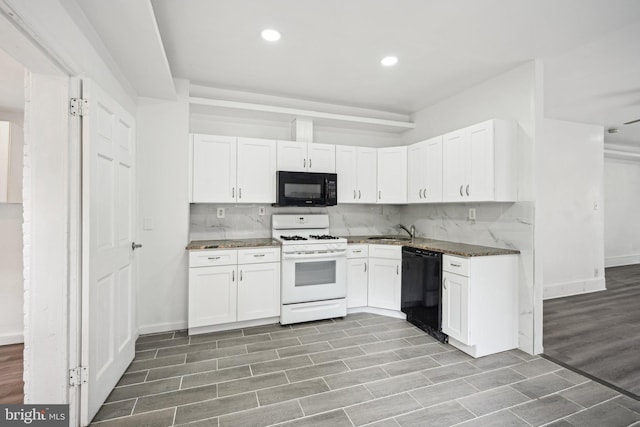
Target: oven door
313,277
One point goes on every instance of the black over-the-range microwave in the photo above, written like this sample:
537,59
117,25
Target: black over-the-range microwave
306,189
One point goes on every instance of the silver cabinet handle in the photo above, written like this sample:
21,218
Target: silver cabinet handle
214,257
304,163
453,264
241,275
365,267
354,194
397,270
424,193
309,163
467,189
135,246
379,194
239,193
357,251
233,275
461,190
420,193
444,284
258,255
359,195
233,192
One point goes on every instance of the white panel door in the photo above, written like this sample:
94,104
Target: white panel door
321,158
433,166
392,175
416,172
214,169
455,306
108,277
480,162
384,283
346,168
292,156
357,282
256,171
258,291
212,295
367,174
453,166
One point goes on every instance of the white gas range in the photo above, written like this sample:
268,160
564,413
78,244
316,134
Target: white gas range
314,268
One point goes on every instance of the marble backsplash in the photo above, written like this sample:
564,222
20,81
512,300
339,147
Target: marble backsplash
243,221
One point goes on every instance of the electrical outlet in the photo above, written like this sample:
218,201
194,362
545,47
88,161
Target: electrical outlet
220,212
472,214
595,206
261,210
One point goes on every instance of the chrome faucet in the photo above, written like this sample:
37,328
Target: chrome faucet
412,231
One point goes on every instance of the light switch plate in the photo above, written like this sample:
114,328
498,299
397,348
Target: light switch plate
220,212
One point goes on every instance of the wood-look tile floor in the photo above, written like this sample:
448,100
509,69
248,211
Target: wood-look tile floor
360,370
11,383
599,333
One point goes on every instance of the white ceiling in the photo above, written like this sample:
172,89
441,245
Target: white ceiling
330,50
11,84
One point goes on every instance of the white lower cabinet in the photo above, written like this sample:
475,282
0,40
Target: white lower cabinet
357,275
480,303
385,277
258,291
223,291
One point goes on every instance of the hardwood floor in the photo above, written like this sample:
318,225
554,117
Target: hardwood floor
599,333
11,385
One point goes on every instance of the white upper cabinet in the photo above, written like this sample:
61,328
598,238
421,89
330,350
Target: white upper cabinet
357,176
306,157
479,163
213,168
392,175
233,170
256,170
425,171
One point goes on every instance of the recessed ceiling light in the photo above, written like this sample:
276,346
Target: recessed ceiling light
389,61
270,35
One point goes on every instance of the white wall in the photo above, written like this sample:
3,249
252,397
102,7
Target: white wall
569,204
11,280
513,95
162,160
621,207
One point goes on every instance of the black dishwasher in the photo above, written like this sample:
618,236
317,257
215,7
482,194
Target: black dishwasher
422,290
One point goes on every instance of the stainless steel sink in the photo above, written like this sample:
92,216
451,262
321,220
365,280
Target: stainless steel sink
398,238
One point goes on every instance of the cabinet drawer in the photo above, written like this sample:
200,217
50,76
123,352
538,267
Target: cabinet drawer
258,255
212,258
385,251
454,264
357,251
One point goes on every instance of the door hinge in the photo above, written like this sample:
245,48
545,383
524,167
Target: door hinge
78,376
78,107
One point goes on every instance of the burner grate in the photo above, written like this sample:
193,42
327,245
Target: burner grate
323,237
293,238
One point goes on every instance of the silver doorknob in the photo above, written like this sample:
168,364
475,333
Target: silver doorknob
135,246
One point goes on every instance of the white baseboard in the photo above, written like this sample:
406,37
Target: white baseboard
162,327
617,261
7,339
565,289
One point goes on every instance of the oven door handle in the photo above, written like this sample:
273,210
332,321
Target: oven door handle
331,255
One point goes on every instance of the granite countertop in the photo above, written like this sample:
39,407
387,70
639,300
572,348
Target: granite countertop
231,243
451,248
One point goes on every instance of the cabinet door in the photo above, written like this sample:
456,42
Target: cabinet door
256,171
214,169
417,172
292,156
346,168
357,282
212,295
433,170
453,166
392,175
258,291
321,158
367,174
480,162
384,283
455,307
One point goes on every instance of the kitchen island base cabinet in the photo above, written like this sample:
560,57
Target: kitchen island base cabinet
480,303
